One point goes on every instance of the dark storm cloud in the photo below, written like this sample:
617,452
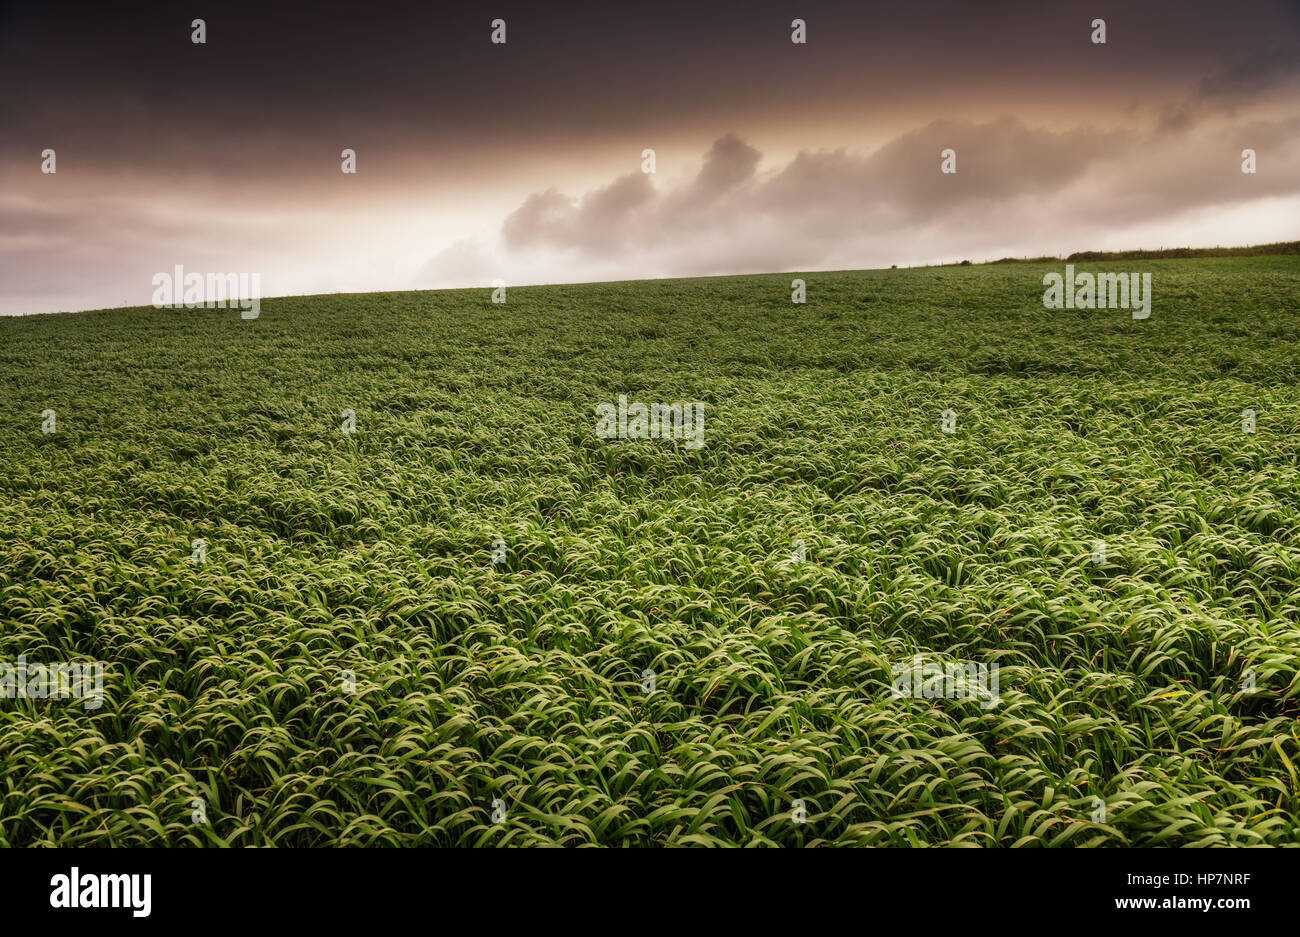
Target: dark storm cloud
419,84
1252,76
729,162
997,160
824,193
1242,82
227,153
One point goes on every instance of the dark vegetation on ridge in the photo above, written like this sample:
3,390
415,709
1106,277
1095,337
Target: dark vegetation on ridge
1167,253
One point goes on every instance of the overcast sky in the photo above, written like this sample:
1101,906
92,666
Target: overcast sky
522,161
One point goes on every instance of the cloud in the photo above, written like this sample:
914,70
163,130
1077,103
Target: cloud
729,163
600,223
996,161
464,263
1249,80
1018,189
1252,77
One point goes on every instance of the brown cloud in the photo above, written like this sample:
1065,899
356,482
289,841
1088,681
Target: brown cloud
227,154
1014,184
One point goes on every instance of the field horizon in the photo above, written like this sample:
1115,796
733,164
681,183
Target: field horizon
1274,249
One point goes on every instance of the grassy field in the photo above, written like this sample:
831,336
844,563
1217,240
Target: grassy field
1121,681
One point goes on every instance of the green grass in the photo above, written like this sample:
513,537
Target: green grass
371,553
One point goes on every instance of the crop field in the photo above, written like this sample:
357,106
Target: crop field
682,645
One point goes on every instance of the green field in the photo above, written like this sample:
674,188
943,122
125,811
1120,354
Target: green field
1120,681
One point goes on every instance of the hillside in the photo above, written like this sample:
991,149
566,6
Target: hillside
348,665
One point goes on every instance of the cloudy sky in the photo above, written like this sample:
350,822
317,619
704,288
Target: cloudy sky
522,161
